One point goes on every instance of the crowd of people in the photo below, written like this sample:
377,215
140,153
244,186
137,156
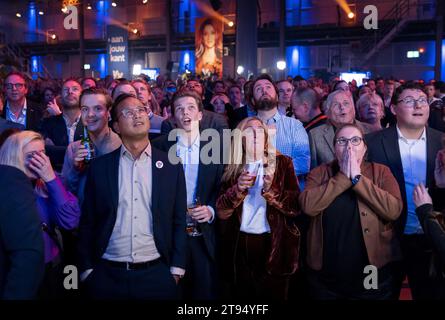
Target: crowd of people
135,183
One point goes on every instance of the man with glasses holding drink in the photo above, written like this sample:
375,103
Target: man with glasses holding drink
132,240
18,108
409,149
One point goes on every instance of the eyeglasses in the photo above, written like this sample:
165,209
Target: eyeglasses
131,113
18,86
355,141
410,101
73,89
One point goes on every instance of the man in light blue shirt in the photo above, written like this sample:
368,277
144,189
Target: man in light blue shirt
287,134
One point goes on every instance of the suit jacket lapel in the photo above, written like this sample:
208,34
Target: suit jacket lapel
431,150
156,179
79,130
113,178
392,151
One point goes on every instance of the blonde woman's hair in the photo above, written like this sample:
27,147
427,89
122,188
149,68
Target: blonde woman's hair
238,150
11,152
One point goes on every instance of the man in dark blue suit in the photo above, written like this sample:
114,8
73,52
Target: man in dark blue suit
132,236
21,242
203,176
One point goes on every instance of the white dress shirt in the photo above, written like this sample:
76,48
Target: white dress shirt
414,160
21,118
253,218
132,238
71,129
189,156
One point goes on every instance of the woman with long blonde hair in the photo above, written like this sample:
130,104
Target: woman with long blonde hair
257,204
58,209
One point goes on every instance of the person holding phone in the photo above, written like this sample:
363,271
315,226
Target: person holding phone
56,206
257,203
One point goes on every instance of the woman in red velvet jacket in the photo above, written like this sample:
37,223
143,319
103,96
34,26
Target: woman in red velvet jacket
257,204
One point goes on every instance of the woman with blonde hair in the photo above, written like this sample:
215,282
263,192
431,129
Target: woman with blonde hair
56,206
256,206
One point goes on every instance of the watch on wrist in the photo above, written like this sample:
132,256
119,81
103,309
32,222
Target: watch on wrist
356,179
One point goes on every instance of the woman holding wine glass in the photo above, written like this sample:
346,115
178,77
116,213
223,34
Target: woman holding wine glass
257,204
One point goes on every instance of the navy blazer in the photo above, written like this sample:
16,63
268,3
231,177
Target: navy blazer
54,128
99,209
207,189
21,239
383,147
34,115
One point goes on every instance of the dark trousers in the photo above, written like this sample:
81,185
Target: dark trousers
320,290
252,279
200,280
52,283
416,264
152,283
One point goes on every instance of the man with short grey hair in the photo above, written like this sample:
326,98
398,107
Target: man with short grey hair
340,110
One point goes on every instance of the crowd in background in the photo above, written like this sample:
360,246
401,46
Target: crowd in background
327,178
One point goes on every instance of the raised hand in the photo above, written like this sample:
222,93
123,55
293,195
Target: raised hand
201,214
52,108
355,164
421,196
41,165
80,154
245,181
345,165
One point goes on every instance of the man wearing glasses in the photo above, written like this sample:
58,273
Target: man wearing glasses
132,238
18,108
409,149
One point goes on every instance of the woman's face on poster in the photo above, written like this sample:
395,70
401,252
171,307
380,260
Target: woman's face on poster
209,35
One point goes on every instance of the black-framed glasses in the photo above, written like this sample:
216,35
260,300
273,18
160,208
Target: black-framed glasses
18,86
355,141
411,102
131,113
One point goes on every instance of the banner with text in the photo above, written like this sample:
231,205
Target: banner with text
117,51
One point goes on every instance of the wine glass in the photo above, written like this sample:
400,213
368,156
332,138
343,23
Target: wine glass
192,226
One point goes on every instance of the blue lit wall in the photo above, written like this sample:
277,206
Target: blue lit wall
31,34
102,64
291,12
295,17
36,66
443,60
101,17
187,57
298,60
193,13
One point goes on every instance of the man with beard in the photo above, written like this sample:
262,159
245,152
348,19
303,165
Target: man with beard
18,108
288,134
65,128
